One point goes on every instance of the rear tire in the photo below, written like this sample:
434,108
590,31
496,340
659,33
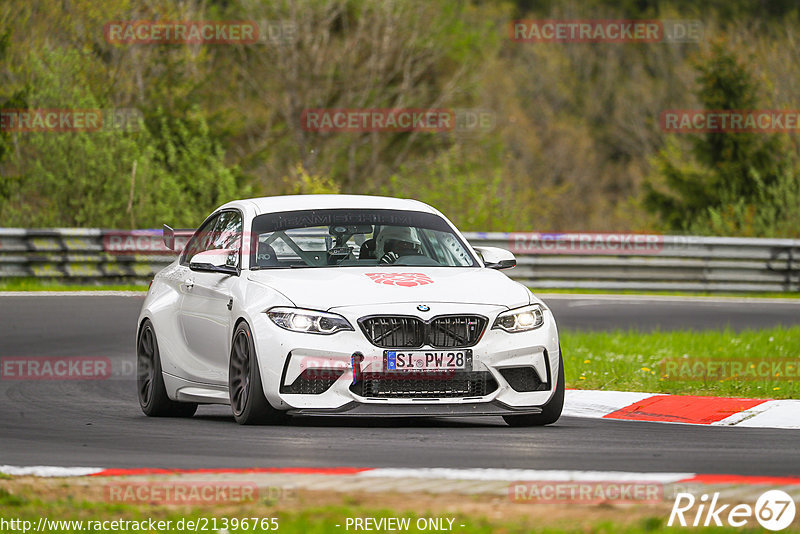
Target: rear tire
550,411
248,403
150,381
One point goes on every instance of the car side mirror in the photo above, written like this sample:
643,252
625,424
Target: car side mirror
223,261
496,258
169,237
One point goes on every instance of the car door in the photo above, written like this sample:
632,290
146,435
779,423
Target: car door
205,309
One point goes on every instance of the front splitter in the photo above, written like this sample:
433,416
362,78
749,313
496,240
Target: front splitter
360,409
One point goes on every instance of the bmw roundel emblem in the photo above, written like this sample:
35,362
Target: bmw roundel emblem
423,308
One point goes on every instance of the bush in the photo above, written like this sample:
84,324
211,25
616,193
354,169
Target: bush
134,177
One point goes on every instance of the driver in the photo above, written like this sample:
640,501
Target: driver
396,241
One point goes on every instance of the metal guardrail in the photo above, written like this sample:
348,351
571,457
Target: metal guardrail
650,262
81,254
544,261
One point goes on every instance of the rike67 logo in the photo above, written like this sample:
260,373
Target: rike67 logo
774,510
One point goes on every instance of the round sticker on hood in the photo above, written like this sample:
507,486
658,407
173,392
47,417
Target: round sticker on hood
401,279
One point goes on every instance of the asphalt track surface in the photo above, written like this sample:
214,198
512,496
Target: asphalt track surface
99,424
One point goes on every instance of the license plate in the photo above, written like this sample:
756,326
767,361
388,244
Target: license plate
427,360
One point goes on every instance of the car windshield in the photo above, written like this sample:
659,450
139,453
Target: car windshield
355,237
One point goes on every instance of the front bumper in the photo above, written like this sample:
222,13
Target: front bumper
284,356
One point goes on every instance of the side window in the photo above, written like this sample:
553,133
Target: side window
228,235
199,241
223,231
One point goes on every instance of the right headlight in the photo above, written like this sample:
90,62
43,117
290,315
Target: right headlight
520,319
308,321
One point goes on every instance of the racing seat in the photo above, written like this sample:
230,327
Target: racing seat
265,257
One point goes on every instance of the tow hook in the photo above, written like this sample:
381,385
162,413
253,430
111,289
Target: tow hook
357,359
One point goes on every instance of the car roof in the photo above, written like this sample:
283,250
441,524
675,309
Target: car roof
306,202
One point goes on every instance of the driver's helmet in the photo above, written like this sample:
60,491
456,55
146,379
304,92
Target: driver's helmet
390,236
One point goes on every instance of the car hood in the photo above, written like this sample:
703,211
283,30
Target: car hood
326,288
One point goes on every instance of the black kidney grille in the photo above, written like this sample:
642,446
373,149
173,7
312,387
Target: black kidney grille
455,331
450,331
394,332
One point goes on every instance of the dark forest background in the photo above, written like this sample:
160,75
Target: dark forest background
575,145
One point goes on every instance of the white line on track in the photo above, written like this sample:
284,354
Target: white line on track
510,475
48,471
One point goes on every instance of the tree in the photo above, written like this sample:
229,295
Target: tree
85,178
718,170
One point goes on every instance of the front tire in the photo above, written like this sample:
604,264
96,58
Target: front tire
248,403
150,381
550,411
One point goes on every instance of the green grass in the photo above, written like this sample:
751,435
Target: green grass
55,284
762,294
636,361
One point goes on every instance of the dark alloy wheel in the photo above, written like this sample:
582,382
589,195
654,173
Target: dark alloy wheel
240,373
248,403
150,382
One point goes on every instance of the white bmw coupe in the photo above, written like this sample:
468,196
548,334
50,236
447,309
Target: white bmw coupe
346,306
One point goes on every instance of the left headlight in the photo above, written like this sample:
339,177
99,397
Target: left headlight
308,321
520,319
